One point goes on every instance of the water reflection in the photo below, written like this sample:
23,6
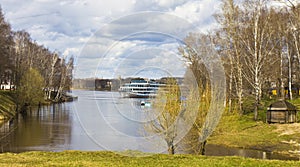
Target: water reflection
217,150
46,129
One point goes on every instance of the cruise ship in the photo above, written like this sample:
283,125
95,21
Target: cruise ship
140,89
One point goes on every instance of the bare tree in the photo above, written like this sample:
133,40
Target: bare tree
167,106
230,20
55,70
294,30
257,45
65,79
200,53
6,46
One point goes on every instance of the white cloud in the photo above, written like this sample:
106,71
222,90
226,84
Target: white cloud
89,29
198,13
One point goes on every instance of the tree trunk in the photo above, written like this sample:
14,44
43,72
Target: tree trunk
290,93
201,150
230,86
256,65
282,92
257,98
171,148
240,90
51,78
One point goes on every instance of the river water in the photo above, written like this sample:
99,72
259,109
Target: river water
96,121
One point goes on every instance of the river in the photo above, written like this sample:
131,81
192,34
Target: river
96,121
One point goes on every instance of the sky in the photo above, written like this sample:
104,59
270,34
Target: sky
111,39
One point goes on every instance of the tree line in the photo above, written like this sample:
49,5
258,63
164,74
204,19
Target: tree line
259,45
35,72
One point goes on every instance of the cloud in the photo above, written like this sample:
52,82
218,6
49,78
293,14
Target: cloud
199,13
110,34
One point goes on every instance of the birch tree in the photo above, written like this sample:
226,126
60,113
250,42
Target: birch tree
229,35
279,25
257,42
294,30
65,78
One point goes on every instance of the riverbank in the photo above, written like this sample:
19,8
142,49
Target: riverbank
242,132
104,158
7,105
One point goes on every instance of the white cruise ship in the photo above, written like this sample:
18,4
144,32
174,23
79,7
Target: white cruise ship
140,89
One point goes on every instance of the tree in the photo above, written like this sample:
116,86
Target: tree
6,46
257,46
197,83
204,81
19,54
230,47
293,30
21,59
65,79
196,109
57,71
30,91
167,107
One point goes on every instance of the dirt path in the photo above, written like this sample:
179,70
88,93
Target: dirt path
291,130
287,129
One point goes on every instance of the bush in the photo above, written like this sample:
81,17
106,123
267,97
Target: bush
30,92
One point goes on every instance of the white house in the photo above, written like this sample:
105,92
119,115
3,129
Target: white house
7,86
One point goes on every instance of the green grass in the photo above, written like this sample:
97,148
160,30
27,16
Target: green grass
243,132
236,131
78,158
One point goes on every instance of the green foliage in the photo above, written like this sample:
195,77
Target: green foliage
105,158
30,91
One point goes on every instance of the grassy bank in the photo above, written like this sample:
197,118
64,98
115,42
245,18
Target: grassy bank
76,158
243,132
7,105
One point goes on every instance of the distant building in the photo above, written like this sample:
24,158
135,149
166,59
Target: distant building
6,80
7,86
103,84
88,83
